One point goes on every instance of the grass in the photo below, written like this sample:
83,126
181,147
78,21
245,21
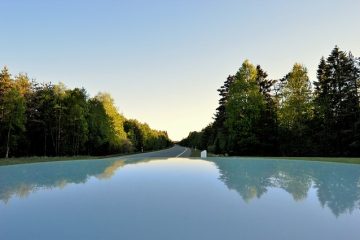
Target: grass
35,159
317,159
322,159
21,160
194,153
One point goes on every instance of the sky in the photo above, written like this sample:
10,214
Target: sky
162,61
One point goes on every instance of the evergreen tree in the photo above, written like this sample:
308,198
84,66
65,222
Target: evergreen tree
220,130
258,116
338,102
267,128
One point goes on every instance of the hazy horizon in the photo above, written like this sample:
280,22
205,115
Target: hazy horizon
162,62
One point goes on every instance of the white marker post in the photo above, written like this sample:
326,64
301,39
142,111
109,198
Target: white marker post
203,154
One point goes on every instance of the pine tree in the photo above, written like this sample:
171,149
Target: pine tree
220,129
267,128
338,101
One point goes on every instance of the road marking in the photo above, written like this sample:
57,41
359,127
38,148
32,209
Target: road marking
182,153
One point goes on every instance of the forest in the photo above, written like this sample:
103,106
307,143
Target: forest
291,116
45,119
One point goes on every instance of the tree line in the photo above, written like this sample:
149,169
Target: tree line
45,119
291,116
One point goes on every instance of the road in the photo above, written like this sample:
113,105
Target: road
173,152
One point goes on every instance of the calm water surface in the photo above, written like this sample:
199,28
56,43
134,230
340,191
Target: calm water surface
217,198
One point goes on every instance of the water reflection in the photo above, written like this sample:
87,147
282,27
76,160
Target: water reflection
21,180
337,185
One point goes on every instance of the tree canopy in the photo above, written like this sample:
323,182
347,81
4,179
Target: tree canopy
291,116
51,120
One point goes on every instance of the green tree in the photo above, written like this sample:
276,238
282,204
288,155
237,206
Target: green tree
243,111
99,125
22,84
5,86
118,140
337,100
135,133
41,117
193,140
267,130
51,120
13,119
12,112
296,111
220,129
75,124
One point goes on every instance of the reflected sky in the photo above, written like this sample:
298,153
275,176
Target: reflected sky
217,198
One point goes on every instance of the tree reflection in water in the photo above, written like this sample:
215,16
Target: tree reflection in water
21,180
337,185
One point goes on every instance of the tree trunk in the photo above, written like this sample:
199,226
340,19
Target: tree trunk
45,140
59,134
8,142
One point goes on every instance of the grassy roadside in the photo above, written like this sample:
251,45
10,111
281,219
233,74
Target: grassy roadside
35,159
316,159
20,160
321,159
196,153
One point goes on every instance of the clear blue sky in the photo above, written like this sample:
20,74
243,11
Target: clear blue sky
162,61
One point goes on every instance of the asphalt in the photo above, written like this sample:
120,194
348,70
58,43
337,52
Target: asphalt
174,152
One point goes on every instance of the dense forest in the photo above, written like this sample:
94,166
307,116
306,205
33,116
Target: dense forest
50,120
291,116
